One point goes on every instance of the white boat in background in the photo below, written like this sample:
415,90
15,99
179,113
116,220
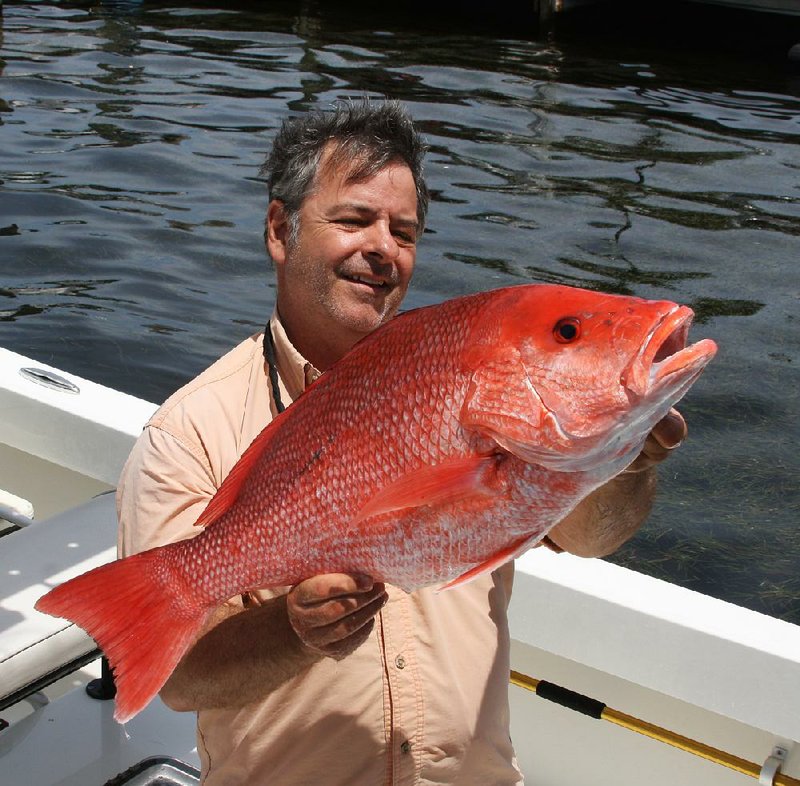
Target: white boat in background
724,680
546,8
784,7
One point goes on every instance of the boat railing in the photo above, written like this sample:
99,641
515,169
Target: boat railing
768,773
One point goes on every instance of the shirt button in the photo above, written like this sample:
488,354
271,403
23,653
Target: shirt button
405,747
400,662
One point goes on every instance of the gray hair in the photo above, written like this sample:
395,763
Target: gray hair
365,137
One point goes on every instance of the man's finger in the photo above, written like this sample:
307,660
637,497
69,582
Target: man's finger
319,615
323,588
670,431
665,436
339,650
328,635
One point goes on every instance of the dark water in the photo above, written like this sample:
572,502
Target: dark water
654,156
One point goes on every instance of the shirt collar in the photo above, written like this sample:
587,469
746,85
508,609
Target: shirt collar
295,371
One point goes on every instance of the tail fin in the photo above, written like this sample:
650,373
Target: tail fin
143,627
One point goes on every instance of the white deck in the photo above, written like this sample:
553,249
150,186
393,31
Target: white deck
74,741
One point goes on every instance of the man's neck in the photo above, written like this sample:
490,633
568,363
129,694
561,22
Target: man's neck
319,350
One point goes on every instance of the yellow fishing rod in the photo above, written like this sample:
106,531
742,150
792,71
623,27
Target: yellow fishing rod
596,709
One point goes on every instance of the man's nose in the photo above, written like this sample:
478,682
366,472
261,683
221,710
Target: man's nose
380,243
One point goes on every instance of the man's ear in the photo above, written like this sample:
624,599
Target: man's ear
276,231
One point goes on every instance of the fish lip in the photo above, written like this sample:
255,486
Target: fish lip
665,354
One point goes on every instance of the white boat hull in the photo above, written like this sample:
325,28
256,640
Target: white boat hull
708,670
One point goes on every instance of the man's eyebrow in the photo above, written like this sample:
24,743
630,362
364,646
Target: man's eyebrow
366,210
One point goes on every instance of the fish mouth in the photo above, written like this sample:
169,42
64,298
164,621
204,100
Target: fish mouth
665,361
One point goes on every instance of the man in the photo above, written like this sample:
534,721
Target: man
339,679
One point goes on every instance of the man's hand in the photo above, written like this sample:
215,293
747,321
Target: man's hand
666,435
333,614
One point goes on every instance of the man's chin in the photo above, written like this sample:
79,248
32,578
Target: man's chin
363,318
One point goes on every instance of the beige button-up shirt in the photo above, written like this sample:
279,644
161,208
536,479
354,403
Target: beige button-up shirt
423,701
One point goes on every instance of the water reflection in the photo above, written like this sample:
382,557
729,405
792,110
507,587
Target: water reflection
612,278
40,298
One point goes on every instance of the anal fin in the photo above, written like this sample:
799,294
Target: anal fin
495,561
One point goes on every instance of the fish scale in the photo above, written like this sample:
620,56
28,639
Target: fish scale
444,444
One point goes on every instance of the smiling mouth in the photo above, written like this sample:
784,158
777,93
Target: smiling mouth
376,285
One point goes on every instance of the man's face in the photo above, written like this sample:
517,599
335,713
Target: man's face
349,267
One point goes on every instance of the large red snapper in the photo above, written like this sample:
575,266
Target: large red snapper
446,443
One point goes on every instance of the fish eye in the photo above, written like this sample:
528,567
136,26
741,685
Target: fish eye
567,330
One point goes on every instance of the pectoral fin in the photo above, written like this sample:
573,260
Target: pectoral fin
452,481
